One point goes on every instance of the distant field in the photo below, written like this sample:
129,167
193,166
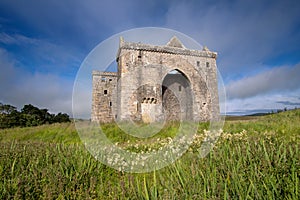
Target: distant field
255,158
243,118
54,133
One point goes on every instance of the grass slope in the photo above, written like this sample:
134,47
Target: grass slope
54,133
257,158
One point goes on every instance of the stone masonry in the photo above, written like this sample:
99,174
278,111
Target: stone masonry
156,83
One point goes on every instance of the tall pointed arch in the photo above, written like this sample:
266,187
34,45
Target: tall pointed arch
176,87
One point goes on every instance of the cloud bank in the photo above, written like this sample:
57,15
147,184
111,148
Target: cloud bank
19,87
280,79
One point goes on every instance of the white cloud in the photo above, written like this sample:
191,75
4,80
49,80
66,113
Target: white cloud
273,89
7,39
52,56
262,103
279,79
19,87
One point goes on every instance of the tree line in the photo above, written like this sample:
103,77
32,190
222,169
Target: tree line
28,116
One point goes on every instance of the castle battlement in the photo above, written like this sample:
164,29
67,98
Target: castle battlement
100,73
174,46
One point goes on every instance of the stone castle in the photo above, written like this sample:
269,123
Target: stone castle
156,83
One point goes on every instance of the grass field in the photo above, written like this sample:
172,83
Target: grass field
255,158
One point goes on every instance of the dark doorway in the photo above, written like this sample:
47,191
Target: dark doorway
177,97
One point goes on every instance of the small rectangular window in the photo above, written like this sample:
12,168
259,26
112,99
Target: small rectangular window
179,88
207,64
110,104
105,92
198,63
110,79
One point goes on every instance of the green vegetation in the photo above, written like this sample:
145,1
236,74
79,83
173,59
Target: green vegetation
256,158
51,133
29,116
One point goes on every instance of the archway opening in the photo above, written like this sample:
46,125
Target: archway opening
177,96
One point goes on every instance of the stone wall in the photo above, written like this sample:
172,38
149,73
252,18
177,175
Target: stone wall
142,71
104,96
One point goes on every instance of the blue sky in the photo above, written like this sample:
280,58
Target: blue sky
43,43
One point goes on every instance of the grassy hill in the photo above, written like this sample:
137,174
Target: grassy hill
255,158
54,133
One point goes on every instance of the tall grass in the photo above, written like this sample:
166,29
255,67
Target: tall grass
256,159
